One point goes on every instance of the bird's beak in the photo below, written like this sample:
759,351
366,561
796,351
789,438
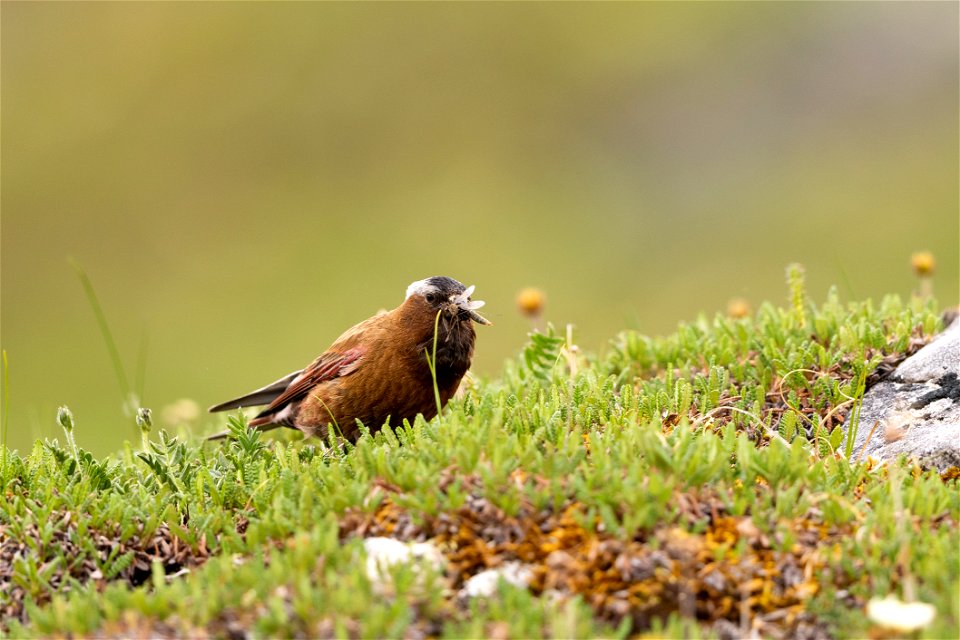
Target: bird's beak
462,301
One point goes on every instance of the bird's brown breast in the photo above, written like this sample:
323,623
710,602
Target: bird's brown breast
393,382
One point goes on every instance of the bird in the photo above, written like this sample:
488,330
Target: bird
378,371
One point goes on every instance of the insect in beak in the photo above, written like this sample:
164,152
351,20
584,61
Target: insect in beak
463,302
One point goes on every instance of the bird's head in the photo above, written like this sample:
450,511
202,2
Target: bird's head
440,293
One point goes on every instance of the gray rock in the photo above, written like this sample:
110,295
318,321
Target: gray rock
916,410
940,357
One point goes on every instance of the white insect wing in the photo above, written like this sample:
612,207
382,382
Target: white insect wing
463,301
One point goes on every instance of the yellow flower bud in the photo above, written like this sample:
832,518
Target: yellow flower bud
923,263
738,308
530,301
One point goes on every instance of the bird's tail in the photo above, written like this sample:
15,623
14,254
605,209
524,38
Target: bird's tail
264,395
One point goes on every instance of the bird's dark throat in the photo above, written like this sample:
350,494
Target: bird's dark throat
455,338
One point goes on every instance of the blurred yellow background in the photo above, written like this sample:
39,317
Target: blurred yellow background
243,181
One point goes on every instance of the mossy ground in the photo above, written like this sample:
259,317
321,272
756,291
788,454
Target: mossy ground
696,484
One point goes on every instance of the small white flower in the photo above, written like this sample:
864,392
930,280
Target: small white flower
891,613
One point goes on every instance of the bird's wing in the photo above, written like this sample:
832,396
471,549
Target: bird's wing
341,358
260,396
332,364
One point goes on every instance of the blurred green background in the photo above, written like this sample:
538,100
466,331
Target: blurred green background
243,181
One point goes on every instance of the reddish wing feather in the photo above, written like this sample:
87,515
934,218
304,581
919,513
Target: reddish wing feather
327,367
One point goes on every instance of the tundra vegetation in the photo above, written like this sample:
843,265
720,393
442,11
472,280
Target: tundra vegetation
696,484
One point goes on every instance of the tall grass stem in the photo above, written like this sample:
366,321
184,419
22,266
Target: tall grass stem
5,424
432,362
122,380
855,415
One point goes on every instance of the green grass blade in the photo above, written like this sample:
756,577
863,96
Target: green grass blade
118,369
140,380
432,362
5,424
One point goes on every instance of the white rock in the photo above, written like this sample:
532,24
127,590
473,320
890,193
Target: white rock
383,553
484,584
904,617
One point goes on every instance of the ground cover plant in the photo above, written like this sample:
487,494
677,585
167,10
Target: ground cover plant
697,484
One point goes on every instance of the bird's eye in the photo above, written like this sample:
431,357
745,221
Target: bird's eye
431,297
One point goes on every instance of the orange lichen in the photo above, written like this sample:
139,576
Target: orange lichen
953,473
721,570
